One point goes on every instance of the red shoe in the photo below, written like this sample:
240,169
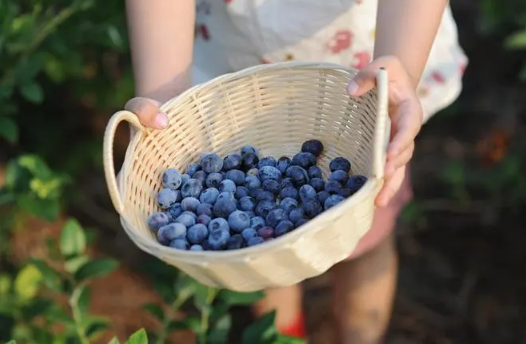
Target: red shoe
296,328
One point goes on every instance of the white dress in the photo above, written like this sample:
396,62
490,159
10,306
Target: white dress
236,34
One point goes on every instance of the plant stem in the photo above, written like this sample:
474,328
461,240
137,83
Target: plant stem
77,315
205,315
179,301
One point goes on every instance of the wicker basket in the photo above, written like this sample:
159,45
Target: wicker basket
274,107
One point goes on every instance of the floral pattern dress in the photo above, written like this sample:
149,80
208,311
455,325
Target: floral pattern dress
235,34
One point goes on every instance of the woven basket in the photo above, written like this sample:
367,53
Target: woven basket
274,107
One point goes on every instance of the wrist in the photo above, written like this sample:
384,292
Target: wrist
163,91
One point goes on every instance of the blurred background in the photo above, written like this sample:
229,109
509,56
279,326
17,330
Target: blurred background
65,68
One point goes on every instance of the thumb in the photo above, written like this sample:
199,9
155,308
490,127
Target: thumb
148,112
364,81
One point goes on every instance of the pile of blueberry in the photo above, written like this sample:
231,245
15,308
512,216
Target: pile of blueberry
242,200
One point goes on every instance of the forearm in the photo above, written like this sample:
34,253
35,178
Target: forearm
161,39
406,29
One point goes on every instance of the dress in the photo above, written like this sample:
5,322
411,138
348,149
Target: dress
235,34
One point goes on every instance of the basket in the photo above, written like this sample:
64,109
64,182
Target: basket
275,107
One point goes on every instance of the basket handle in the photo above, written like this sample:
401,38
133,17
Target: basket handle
109,168
382,132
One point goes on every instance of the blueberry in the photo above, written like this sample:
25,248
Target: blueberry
248,161
298,175
272,186
250,213
197,233
314,147
213,180
339,176
356,182
224,207
186,220
192,188
296,214
238,221
218,239
312,207
340,163
172,179
346,192
190,204
267,161
314,172
226,196
237,176
175,210
301,222
275,216
196,248
231,162
322,196
264,207
211,163
307,192
247,203
263,195
204,209
218,224
288,204
227,186
167,197
204,219
241,192
180,244
184,178
255,241
332,187
249,233
289,192
252,182
234,242
333,200
286,182
201,176
157,220
257,222
318,184
266,232
171,232
283,227
189,213
209,195
304,159
253,172
249,149
269,172
192,169
283,164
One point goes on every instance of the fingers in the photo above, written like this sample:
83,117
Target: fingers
391,187
408,121
398,161
148,112
365,80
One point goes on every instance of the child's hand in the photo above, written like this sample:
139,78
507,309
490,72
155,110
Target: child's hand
406,119
148,112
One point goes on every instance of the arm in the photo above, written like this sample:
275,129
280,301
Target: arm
406,29
161,39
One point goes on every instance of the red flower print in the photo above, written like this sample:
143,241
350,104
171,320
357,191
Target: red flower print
340,41
263,60
203,30
359,1
439,78
228,1
462,68
361,59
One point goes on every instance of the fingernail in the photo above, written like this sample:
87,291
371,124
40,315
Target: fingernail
352,87
161,120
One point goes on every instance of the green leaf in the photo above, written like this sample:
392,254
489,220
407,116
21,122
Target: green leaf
262,331
290,340
194,324
72,239
32,92
516,41
41,208
11,342
8,129
51,277
176,325
36,307
233,298
73,264
5,285
96,268
114,340
83,301
96,326
139,337
155,310
27,282
219,333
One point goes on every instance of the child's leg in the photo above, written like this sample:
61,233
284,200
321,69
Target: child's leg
287,303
